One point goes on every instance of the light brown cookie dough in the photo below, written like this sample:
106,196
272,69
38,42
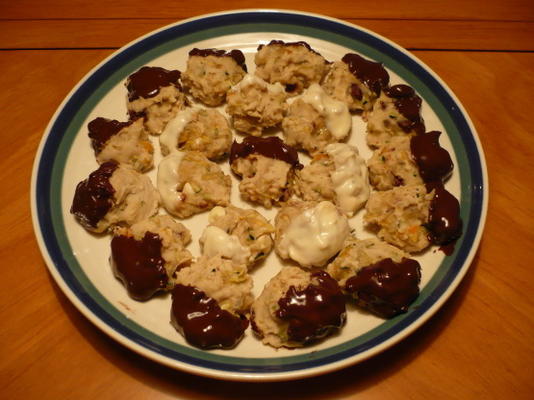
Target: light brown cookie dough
297,308
155,94
190,184
342,85
310,233
392,165
114,194
146,255
123,142
313,182
211,73
265,181
295,65
356,81
226,282
399,215
197,129
267,167
315,120
395,113
243,236
337,174
357,254
305,129
254,105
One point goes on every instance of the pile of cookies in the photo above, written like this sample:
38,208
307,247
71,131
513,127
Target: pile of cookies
295,101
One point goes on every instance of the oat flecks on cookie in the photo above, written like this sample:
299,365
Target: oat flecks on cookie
241,235
255,105
400,215
211,73
189,184
393,165
197,129
295,65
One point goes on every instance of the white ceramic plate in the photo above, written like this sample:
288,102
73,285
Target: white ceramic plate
79,261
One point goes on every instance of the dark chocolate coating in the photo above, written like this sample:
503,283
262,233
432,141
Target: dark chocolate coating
102,129
237,55
147,81
444,222
202,321
372,74
93,197
408,103
314,312
139,265
386,288
433,161
272,147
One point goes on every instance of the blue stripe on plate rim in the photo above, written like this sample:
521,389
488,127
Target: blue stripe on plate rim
50,162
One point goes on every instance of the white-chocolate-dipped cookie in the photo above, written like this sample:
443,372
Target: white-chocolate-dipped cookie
197,129
310,233
241,235
189,184
315,120
338,175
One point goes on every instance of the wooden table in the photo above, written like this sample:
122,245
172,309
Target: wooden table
479,345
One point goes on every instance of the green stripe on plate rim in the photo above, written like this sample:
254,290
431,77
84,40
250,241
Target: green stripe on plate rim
121,73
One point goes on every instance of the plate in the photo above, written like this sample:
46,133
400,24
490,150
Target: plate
79,263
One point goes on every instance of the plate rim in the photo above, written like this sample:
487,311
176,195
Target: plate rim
263,376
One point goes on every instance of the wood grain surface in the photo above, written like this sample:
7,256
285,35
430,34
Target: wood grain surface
480,344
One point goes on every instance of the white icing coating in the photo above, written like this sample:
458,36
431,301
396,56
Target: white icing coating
216,212
315,236
350,177
336,113
170,136
168,180
250,79
215,241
